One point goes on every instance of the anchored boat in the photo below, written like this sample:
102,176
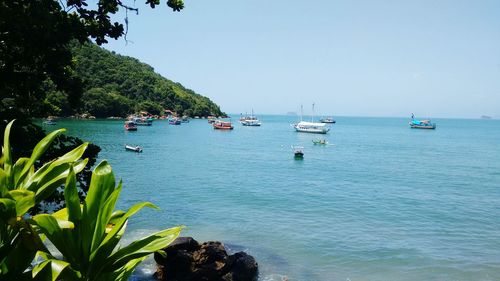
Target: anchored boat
143,121
310,127
222,125
250,120
130,126
328,120
324,142
421,124
174,121
298,152
133,148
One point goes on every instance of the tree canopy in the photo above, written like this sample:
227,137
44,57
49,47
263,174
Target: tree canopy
34,38
115,85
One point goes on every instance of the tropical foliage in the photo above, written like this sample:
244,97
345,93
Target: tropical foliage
27,135
34,38
116,84
86,235
21,188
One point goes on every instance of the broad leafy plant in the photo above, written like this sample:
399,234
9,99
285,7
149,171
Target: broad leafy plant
21,187
87,235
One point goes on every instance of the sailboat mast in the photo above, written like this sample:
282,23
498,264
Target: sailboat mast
312,117
301,112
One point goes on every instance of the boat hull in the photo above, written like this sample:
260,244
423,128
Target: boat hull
133,149
250,124
222,128
312,131
428,127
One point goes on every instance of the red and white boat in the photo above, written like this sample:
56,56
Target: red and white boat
222,125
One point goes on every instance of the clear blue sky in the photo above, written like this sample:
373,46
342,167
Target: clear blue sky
436,58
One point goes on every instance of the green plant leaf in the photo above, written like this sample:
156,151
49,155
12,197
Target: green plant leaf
7,209
101,186
123,273
71,197
18,167
73,155
25,200
3,183
47,168
39,149
58,232
103,218
121,223
7,155
56,180
50,268
143,247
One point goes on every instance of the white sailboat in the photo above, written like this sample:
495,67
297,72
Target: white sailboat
310,127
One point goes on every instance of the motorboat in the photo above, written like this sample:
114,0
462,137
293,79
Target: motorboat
130,126
328,120
133,148
298,152
222,125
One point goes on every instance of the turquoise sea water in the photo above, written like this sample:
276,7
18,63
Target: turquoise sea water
382,202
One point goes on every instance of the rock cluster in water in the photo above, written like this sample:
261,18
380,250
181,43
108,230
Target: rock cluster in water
187,260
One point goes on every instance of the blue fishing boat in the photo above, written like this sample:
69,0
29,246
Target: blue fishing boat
421,124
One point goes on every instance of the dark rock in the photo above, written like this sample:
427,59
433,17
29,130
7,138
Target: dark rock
210,252
181,243
243,267
187,260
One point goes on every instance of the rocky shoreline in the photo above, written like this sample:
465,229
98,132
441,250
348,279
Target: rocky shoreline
187,260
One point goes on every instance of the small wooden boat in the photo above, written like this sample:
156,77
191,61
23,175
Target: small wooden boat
133,148
222,125
130,126
323,142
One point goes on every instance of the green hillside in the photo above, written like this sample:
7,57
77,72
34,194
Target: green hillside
115,85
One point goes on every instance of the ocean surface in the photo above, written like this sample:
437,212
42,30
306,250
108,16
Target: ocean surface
380,202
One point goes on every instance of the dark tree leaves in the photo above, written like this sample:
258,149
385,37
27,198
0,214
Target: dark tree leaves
34,38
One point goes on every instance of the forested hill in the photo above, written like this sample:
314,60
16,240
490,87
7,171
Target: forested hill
116,85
